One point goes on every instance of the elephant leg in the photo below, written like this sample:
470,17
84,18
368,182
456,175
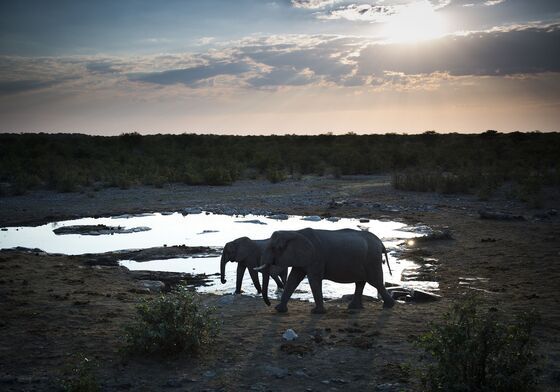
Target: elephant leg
388,301
356,302
317,290
278,281
294,279
240,272
255,277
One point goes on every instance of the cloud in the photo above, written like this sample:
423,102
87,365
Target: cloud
101,68
20,86
361,12
507,52
190,76
273,62
313,4
283,76
493,2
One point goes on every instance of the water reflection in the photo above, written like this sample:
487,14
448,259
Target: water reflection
209,230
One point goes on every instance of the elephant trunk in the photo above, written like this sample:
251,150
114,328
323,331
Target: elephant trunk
223,262
266,279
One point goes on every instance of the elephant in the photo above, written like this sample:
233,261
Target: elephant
343,256
247,254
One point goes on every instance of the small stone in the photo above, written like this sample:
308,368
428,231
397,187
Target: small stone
289,335
173,384
191,211
154,286
364,220
388,387
279,216
276,371
209,374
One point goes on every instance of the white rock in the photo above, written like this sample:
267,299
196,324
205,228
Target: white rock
290,335
312,218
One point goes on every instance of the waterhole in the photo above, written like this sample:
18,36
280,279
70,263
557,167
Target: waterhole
214,230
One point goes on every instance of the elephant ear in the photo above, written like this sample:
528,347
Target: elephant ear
298,251
245,248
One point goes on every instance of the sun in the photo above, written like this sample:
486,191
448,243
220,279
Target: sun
415,22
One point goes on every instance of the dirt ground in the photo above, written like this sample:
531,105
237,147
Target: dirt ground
54,307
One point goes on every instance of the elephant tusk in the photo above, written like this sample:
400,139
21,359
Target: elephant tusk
260,268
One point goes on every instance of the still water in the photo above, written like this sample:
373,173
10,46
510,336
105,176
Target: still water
206,229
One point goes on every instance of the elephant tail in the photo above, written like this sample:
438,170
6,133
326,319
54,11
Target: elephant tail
387,258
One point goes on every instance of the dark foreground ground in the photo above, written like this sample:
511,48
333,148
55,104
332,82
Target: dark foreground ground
53,308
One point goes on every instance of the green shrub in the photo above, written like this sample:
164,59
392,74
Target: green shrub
477,351
217,176
275,175
81,378
170,324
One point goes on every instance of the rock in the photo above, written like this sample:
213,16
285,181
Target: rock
173,383
409,294
155,253
339,381
278,216
254,221
349,297
301,373
209,374
171,279
333,219
164,213
208,232
311,218
336,204
191,211
97,230
276,371
435,235
364,220
226,300
388,387
289,335
155,286
493,215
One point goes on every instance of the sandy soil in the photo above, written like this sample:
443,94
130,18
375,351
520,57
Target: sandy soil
54,307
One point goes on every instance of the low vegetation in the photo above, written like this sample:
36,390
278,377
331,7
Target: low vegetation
448,163
475,350
170,324
81,377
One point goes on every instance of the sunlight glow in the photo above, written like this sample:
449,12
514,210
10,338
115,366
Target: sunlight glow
416,22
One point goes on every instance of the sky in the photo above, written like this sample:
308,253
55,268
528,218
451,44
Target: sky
275,67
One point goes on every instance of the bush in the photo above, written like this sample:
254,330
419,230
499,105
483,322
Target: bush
82,377
170,324
275,175
474,350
